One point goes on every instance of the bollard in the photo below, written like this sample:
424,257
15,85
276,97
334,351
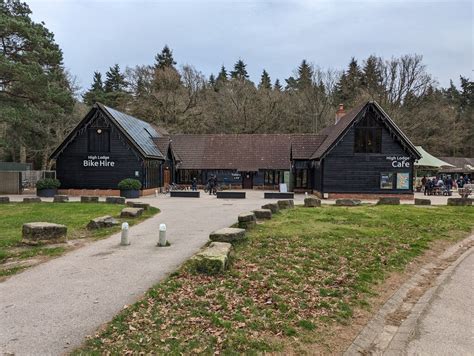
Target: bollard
305,194
124,238
162,239
156,193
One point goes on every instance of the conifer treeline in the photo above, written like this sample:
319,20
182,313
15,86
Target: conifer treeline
184,100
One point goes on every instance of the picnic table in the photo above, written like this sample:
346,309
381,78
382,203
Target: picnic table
465,191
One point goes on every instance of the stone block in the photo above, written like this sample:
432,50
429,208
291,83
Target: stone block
61,198
348,202
286,204
263,214
247,216
421,201
136,204
312,202
37,233
272,206
102,222
32,200
214,259
115,200
228,234
88,199
460,201
4,200
131,212
388,201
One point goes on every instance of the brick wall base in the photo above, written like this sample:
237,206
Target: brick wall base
373,196
100,192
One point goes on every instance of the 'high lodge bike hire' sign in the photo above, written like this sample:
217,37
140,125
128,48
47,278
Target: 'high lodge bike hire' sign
98,161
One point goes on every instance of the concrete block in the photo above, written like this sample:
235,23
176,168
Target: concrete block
37,233
60,198
388,201
136,204
213,259
228,234
312,202
32,200
272,206
348,202
131,212
286,204
102,222
263,214
88,199
115,200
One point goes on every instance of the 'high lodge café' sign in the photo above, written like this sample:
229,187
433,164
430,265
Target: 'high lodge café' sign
362,153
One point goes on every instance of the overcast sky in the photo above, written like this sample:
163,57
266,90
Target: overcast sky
275,35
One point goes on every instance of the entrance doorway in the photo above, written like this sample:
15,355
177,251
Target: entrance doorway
247,180
166,177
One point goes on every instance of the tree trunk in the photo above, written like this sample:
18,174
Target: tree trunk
22,154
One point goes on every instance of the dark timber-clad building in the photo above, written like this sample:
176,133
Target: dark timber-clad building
363,153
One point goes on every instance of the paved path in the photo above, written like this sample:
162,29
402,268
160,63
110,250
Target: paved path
447,325
49,309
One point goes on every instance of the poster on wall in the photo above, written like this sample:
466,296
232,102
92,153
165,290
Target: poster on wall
403,180
386,180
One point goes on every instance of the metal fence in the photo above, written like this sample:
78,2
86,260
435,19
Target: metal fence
15,182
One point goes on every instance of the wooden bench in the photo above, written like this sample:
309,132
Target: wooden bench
279,195
230,195
185,194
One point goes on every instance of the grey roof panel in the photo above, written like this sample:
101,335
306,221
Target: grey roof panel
140,131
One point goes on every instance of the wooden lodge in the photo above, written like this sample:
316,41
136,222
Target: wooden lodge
363,153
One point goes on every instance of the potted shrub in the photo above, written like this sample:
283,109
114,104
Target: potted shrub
47,187
130,188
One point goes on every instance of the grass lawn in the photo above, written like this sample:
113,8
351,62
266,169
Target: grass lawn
74,215
297,274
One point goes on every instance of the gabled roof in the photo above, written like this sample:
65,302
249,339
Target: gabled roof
243,152
335,132
138,132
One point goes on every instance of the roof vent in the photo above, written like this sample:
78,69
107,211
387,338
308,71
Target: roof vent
340,113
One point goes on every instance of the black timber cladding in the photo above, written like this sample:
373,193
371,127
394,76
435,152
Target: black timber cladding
127,155
344,171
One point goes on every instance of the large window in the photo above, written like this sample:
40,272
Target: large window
271,177
301,178
187,175
368,136
98,140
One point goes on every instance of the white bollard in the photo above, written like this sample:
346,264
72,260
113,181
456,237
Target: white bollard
124,238
162,239
305,194
156,193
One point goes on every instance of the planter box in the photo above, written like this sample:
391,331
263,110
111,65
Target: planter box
184,194
278,195
47,193
230,195
130,193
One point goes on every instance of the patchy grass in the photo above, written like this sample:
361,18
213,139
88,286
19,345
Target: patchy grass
295,277
74,215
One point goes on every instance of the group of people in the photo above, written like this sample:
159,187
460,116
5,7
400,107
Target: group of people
211,184
443,185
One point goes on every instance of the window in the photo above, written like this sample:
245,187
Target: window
187,175
271,177
98,140
368,136
386,180
301,178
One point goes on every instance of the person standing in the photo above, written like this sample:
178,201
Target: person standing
194,184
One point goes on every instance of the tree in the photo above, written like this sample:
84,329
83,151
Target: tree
115,80
36,93
305,76
96,93
165,58
265,81
222,76
348,88
277,86
240,71
371,80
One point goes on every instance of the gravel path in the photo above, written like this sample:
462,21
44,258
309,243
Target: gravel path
51,308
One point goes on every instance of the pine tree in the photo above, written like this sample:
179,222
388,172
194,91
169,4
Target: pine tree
277,86
165,58
305,75
212,80
240,71
265,81
222,76
349,86
371,79
115,81
96,93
